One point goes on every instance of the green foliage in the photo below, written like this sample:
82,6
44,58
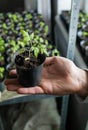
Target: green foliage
15,48
2,70
55,52
29,16
85,33
2,42
35,42
1,75
2,49
4,26
12,43
49,46
2,58
20,43
35,50
46,29
42,24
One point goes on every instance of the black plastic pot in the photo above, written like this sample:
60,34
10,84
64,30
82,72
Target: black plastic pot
81,36
30,77
85,27
84,48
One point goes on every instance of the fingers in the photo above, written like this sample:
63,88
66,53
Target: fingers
30,90
11,81
12,84
12,72
22,90
13,87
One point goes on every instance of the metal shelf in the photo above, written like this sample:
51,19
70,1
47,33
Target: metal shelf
61,38
26,98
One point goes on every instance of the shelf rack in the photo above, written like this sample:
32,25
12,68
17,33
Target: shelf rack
61,38
26,98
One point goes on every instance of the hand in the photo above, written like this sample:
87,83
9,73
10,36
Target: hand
60,76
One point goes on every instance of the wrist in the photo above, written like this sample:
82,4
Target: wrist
83,83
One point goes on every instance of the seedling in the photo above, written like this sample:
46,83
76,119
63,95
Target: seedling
55,52
35,44
2,71
29,61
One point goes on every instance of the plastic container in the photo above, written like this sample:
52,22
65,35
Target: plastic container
29,77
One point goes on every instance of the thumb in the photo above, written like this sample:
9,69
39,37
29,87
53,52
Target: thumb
49,61
13,72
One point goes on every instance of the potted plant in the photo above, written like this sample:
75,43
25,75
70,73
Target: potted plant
2,60
82,35
2,73
84,46
85,27
55,52
29,61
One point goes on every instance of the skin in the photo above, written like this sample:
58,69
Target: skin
60,76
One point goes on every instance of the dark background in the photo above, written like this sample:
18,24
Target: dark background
11,5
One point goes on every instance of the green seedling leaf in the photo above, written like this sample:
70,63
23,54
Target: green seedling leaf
24,33
2,58
36,52
46,42
2,69
2,40
31,36
26,40
29,16
85,33
41,40
42,24
4,26
12,42
1,75
14,17
55,52
2,49
15,48
49,47
46,29
20,43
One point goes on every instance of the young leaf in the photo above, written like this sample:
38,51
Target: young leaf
2,69
55,52
21,43
1,75
36,52
41,40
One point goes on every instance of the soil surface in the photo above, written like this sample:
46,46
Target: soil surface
26,60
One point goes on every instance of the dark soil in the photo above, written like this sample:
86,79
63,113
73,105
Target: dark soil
25,61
